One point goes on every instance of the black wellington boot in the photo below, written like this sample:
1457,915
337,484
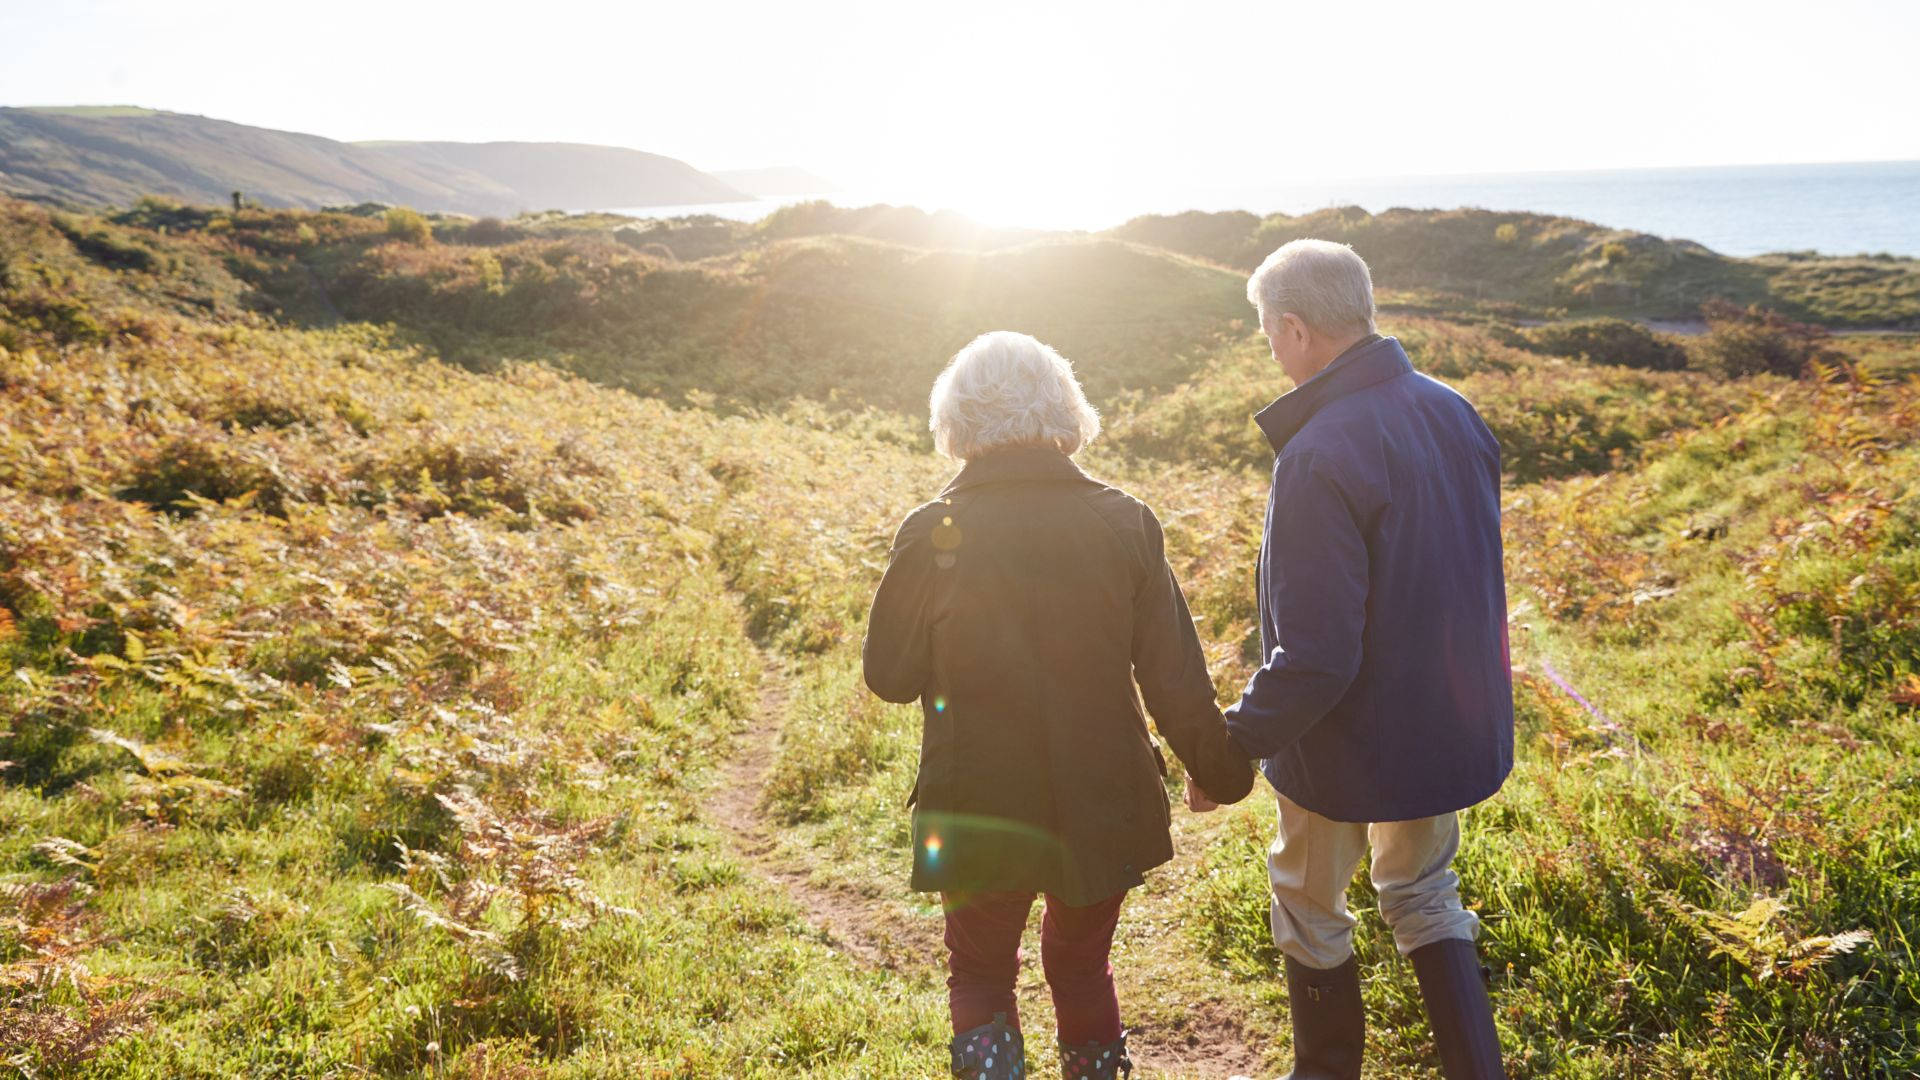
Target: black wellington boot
1329,1021
1096,1061
1454,987
992,1051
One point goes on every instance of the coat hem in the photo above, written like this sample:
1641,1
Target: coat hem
1351,814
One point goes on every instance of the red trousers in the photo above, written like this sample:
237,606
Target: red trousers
983,960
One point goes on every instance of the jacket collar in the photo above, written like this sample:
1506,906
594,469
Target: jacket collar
1369,361
1015,463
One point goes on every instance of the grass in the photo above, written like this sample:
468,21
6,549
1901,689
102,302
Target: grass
365,712
306,688
1554,416
1521,263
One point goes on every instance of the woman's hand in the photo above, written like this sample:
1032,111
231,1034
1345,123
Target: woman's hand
1197,800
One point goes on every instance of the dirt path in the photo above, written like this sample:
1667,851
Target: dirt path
1207,1041
864,927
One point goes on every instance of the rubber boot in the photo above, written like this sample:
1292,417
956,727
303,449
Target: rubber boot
992,1051
1096,1061
1454,987
1329,1021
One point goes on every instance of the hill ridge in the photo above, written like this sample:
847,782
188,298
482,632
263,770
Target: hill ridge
99,156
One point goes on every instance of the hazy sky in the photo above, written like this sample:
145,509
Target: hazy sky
1028,94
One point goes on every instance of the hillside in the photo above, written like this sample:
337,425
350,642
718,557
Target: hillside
112,157
775,311
373,714
1535,264
570,176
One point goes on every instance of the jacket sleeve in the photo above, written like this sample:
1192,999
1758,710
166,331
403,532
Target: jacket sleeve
896,656
1315,590
1172,673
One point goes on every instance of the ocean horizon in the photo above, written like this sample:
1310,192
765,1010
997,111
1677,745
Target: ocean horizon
1848,208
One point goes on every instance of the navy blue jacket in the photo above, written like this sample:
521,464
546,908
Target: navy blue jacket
1387,693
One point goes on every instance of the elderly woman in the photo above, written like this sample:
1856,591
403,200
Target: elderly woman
1020,608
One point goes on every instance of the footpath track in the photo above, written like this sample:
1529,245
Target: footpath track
1206,1042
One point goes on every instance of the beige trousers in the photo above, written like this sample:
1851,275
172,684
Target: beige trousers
1313,858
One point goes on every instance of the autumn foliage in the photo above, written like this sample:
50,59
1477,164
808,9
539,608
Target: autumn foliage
362,710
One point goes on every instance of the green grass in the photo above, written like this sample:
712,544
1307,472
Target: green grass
1554,416
1521,263
419,684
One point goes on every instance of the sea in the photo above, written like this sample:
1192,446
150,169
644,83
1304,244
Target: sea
1850,208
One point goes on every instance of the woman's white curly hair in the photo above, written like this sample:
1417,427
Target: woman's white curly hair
1008,388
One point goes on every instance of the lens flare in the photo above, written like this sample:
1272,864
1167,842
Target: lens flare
933,849
940,704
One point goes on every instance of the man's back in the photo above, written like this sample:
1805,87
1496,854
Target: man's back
1385,702
1426,724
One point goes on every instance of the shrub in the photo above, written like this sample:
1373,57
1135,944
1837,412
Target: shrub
1506,234
492,277
641,242
105,248
1756,341
693,237
489,232
187,466
163,214
66,321
1607,341
408,225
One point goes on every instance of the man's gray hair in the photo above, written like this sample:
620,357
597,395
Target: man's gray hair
1326,284
1006,388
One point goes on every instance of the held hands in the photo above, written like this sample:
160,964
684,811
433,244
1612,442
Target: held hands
1234,770
1197,800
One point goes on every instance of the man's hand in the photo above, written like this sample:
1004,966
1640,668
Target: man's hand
1197,800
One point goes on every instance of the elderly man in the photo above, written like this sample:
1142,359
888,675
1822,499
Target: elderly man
1385,703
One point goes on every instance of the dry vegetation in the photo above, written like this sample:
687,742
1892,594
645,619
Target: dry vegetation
362,711
1536,264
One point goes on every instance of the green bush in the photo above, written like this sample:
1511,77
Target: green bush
106,246
1607,341
1553,417
1755,341
488,232
155,212
408,225
209,468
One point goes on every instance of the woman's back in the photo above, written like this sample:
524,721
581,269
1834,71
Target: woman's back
1017,608
1020,608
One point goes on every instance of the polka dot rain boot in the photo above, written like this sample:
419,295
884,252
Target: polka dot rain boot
1096,1061
992,1051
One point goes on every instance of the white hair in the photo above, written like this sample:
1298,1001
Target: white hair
1007,388
1323,283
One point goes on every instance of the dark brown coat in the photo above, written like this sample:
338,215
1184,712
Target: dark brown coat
1020,608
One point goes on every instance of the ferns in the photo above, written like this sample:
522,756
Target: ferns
55,1012
1759,940
365,706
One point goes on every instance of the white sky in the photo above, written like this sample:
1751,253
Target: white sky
1024,95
